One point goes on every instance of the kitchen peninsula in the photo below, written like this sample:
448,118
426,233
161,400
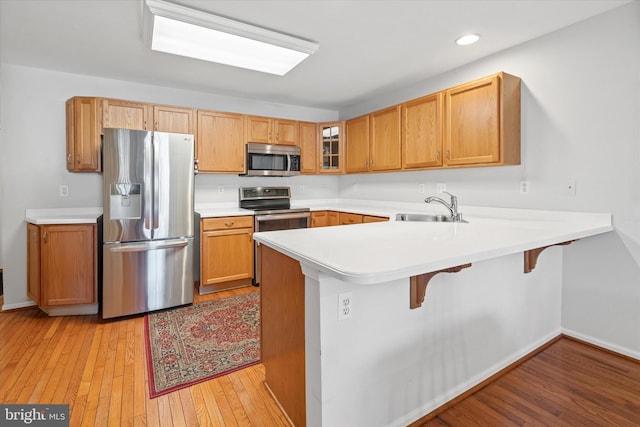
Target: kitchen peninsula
386,363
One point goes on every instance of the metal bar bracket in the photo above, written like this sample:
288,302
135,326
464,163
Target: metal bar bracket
418,284
531,256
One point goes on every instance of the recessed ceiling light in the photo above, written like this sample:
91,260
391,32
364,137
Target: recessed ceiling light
467,39
182,31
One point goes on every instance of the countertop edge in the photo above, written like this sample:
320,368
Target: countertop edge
54,216
362,278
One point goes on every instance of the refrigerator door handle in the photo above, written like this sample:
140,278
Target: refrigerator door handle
141,247
156,184
148,193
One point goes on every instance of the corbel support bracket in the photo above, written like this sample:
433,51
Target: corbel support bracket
418,284
531,256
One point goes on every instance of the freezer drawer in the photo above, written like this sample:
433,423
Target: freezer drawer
146,276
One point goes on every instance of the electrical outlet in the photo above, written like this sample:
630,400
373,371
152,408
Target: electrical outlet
345,309
570,188
301,188
64,190
421,188
355,188
220,188
441,187
524,187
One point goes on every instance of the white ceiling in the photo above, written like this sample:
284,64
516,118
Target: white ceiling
367,47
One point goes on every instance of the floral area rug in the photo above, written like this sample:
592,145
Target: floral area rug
192,344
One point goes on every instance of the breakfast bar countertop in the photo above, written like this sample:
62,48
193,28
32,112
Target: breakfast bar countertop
379,252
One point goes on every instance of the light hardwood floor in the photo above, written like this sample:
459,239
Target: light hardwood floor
569,383
99,369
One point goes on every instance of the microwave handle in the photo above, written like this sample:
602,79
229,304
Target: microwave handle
288,163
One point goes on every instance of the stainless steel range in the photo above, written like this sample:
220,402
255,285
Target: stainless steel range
272,206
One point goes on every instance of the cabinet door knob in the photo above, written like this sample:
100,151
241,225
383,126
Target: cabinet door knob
44,237
438,155
447,154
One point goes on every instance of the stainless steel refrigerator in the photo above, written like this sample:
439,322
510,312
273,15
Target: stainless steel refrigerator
147,221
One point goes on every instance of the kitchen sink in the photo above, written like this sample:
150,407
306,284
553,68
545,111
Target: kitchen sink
426,218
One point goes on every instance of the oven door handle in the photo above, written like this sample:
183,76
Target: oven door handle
282,216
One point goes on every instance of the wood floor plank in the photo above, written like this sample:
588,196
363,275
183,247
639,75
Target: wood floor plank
234,401
567,384
79,400
99,368
44,349
128,377
139,398
206,410
18,372
97,377
51,378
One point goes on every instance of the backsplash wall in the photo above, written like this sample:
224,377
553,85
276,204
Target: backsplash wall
223,188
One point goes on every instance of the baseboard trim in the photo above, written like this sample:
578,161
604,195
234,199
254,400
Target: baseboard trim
431,415
18,305
603,345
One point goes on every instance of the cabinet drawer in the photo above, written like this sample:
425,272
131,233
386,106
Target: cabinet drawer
225,223
350,218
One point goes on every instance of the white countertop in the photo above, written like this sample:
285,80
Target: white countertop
63,216
213,212
380,252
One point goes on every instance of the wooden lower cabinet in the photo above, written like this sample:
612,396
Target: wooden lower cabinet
282,334
226,253
350,218
325,218
328,218
62,266
373,218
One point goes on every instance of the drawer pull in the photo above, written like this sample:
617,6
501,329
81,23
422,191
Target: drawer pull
228,224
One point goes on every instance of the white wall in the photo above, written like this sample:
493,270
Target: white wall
32,160
580,120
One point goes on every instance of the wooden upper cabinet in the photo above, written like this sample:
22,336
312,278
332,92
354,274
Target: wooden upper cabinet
308,142
117,113
330,146
357,145
483,122
83,134
258,129
220,145
422,128
286,132
385,139
266,130
173,119
472,124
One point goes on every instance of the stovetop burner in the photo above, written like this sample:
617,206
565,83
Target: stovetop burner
268,200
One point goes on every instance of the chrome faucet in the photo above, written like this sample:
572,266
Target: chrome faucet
453,206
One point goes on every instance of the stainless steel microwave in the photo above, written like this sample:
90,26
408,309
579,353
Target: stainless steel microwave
272,160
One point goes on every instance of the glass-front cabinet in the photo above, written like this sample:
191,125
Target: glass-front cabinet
331,151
